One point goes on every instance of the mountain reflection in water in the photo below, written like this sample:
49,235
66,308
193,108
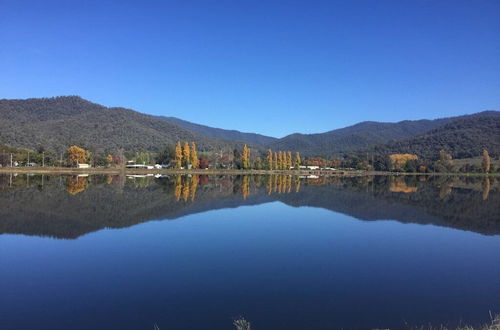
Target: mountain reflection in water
72,206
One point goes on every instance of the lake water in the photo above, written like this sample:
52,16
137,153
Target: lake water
197,252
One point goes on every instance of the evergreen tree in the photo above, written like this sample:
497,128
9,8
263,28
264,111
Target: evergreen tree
237,158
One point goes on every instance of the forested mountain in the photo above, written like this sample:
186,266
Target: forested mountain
56,123
463,137
220,133
354,137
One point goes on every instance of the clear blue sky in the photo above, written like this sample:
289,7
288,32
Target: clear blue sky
272,67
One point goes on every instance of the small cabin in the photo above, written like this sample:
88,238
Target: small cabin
83,165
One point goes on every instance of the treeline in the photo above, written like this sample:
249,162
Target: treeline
185,155
411,163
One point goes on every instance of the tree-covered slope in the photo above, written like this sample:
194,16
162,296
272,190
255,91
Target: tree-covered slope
55,123
462,137
354,137
220,133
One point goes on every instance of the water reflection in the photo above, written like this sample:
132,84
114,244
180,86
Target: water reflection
71,206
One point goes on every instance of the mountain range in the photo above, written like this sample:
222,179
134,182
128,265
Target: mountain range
55,123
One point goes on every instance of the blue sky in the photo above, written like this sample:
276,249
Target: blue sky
271,67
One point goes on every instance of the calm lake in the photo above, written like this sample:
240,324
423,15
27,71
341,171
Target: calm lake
197,252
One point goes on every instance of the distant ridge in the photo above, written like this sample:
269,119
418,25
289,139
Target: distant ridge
220,133
352,138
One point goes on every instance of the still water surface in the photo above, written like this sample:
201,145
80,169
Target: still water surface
187,252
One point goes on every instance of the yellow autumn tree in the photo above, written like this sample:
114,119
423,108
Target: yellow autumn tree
280,160
289,160
270,159
298,161
195,162
76,155
178,155
245,157
275,160
186,153
398,161
486,163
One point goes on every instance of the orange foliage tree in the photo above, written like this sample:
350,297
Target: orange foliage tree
76,155
398,161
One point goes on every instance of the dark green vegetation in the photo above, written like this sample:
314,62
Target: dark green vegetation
70,206
354,137
56,123
59,122
219,133
463,137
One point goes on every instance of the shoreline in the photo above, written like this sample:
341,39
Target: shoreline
132,171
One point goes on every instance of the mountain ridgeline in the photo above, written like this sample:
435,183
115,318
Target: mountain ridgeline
220,133
55,123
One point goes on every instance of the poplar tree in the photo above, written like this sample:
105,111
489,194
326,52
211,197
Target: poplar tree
289,160
275,160
245,157
178,155
297,160
195,162
186,153
280,160
486,161
270,159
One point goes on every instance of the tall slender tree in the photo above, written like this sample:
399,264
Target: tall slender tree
486,161
186,154
195,162
280,160
270,159
275,160
289,160
245,157
178,155
297,160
